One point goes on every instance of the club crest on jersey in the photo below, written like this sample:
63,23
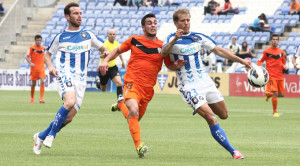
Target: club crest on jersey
84,35
195,38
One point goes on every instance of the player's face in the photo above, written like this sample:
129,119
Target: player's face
38,41
274,41
150,27
75,16
183,23
111,36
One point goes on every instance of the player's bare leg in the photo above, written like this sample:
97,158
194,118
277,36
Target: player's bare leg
274,104
220,109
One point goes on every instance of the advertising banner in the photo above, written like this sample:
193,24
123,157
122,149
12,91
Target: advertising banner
239,86
167,83
16,79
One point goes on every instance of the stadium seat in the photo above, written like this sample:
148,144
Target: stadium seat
292,71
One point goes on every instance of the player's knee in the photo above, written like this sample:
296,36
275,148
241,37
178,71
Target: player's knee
224,115
212,120
69,104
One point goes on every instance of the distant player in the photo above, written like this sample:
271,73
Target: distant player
275,64
72,48
195,85
113,72
35,57
144,64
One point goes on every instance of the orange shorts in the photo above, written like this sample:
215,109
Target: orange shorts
35,75
275,86
141,94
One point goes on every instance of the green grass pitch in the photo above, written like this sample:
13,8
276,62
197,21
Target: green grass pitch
98,136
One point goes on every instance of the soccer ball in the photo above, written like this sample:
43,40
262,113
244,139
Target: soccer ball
258,76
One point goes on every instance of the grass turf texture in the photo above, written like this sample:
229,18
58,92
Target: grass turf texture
98,136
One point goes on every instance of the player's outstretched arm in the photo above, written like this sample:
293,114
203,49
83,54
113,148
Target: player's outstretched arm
167,48
48,62
227,54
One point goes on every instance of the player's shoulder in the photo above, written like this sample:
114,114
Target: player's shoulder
201,36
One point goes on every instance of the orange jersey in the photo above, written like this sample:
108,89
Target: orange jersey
37,57
145,61
295,6
275,61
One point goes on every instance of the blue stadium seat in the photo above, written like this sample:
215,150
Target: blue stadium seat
292,71
206,19
228,18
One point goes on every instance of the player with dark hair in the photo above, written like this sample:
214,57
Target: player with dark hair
72,48
35,57
144,64
195,85
275,64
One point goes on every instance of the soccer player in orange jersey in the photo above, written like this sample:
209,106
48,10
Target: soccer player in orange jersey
275,63
35,58
144,64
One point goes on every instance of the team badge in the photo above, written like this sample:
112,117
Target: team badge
195,38
83,35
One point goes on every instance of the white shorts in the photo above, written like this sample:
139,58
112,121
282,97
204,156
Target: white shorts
196,94
65,84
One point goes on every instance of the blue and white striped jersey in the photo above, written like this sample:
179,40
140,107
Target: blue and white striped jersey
72,49
188,47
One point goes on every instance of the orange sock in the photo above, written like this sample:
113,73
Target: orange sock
32,92
274,103
135,130
42,89
122,106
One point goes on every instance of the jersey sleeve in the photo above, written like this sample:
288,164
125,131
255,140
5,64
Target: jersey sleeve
167,60
29,52
262,59
208,43
96,41
168,39
53,46
125,46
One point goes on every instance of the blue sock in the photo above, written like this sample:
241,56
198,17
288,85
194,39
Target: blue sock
60,118
44,133
220,136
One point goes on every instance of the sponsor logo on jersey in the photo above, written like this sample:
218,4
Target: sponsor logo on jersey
188,50
76,48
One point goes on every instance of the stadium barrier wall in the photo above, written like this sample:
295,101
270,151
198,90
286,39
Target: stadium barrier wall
167,83
228,84
239,86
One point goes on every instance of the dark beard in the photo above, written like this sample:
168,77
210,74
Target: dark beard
74,24
150,35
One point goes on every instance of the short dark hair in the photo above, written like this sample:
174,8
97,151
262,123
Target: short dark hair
37,37
275,35
69,5
143,22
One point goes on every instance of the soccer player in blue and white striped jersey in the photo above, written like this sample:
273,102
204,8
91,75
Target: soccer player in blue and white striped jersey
195,85
72,48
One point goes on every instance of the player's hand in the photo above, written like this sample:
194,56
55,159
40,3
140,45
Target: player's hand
32,64
52,71
179,63
103,67
285,67
247,63
179,33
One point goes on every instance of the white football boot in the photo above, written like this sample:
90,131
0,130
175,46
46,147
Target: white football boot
37,143
48,141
